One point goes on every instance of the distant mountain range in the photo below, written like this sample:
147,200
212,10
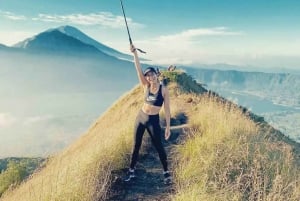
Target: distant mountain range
284,87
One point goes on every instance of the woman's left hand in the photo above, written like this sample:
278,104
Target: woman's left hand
167,133
132,48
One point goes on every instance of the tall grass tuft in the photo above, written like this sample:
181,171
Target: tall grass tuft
227,157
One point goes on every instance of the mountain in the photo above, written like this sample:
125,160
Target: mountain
284,87
245,68
75,33
54,41
67,39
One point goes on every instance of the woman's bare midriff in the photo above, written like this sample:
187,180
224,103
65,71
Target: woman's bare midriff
150,109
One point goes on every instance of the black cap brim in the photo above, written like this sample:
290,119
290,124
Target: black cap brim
149,70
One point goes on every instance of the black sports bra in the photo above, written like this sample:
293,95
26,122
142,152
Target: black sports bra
154,99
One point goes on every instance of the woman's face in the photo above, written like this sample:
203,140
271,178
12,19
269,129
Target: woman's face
151,77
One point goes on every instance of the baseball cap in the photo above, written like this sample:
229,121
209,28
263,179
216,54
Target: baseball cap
149,69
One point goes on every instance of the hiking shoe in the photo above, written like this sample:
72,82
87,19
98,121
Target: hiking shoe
130,175
167,177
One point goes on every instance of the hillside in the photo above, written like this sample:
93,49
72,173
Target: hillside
226,153
275,96
14,170
281,88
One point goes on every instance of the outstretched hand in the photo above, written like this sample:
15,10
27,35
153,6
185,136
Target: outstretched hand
133,49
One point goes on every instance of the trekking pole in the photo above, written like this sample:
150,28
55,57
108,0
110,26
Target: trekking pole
130,41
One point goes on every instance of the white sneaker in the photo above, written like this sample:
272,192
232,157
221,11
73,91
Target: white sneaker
167,177
130,175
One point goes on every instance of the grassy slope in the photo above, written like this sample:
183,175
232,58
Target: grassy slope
81,171
14,170
225,156
232,154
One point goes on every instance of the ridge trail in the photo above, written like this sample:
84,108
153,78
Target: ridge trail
149,185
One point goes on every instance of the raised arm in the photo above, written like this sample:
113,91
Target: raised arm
138,68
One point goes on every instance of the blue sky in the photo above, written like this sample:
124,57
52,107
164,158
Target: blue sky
243,32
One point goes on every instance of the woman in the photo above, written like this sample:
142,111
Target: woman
156,95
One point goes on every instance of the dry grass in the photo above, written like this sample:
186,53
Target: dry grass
226,157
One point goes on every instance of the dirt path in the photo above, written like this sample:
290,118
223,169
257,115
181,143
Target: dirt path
149,185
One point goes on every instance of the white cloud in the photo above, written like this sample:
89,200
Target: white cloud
37,119
12,16
101,19
105,19
6,120
187,47
200,32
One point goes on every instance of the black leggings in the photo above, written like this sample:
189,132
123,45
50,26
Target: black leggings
151,123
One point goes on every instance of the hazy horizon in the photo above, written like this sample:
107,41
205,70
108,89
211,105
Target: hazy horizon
49,101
